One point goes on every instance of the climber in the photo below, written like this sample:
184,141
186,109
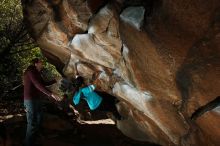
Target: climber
33,87
94,101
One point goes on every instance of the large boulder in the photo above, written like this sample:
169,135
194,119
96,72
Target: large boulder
161,59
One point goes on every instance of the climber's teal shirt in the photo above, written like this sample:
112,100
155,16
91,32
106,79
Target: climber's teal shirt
92,98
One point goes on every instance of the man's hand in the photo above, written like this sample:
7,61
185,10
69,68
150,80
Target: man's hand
56,97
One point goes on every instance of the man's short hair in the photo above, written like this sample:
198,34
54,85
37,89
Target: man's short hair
35,60
79,81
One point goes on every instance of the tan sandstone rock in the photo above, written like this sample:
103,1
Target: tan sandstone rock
161,59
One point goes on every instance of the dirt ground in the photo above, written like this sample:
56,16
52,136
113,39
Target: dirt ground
61,130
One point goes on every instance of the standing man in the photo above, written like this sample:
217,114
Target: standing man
33,87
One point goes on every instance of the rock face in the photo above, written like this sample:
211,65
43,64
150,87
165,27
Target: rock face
161,59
